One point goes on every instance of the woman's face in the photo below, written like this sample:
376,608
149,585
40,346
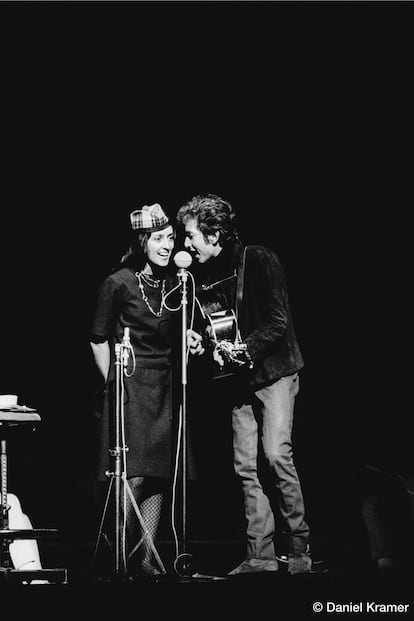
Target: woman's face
160,246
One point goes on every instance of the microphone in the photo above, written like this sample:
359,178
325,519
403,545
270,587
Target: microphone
125,341
182,260
126,345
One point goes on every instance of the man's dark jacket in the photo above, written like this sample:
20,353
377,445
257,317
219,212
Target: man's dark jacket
265,319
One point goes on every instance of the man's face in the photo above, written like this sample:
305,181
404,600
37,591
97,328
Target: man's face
197,245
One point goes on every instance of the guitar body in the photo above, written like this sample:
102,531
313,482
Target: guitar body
223,326
223,331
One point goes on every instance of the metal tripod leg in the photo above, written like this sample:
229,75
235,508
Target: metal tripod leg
146,534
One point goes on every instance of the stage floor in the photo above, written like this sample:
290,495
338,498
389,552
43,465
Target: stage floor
98,586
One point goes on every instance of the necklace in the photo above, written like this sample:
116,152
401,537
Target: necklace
141,278
151,282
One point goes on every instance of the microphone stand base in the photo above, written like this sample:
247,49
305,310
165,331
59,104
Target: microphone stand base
187,572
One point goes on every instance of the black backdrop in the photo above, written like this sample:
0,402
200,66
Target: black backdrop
110,106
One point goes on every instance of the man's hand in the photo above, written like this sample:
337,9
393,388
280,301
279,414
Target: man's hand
217,356
234,353
195,343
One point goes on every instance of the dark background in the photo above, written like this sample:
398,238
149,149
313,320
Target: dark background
295,113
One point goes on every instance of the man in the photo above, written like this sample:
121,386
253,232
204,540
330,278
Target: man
269,359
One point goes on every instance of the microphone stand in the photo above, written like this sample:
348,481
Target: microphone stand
184,558
120,571
119,476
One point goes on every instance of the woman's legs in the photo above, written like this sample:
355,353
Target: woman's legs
149,495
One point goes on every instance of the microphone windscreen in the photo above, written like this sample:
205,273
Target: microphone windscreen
183,259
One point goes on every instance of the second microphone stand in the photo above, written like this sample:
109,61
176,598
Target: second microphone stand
119,474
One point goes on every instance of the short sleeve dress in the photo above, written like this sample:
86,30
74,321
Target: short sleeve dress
148,392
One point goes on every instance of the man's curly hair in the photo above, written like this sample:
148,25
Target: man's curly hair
213,214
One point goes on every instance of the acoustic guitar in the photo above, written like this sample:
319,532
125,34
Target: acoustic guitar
229,352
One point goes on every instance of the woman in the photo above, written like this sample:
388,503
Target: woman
133,296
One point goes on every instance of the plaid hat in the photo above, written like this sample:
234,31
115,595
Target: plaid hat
149,219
